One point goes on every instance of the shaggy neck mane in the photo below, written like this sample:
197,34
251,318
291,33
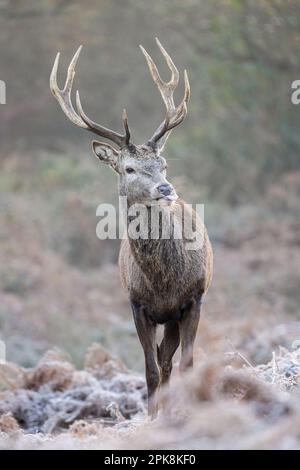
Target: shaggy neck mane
159,254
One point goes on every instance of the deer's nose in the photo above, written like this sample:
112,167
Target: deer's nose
165,189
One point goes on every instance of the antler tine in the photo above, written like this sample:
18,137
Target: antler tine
126,126
152,67
166,126
174,115
71,71
181,110
63,97
187,88
96,128
175,74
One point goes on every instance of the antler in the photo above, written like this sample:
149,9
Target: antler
80,118
174,115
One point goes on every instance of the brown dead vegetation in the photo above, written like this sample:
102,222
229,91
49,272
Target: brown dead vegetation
221,404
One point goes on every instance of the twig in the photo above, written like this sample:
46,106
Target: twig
240,355
274,367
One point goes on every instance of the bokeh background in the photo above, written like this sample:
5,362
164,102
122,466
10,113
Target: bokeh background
237,152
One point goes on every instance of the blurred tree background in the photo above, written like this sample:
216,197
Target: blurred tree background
236,150
242,131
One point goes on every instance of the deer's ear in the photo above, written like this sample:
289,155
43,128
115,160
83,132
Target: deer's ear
106,153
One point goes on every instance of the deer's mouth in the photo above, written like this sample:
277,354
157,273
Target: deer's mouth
170,198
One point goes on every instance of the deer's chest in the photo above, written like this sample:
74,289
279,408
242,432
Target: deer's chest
163,278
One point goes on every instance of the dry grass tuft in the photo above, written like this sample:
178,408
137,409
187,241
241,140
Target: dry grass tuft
103,406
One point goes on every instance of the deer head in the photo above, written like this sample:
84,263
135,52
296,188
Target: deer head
141,168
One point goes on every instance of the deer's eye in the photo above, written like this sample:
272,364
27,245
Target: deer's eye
130,170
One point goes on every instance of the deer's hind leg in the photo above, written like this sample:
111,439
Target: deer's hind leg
167,349
146,330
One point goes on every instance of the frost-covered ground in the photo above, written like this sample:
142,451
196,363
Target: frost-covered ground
224,403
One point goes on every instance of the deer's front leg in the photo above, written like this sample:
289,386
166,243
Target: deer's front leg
188,329
146,330
167,349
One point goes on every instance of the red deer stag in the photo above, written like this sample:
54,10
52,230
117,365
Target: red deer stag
165,280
